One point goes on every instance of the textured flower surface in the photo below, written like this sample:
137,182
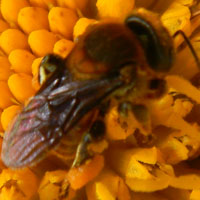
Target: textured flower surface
155,160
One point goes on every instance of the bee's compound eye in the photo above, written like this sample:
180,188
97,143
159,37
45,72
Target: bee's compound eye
155,40
50,63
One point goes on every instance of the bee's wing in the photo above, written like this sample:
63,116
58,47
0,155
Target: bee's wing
87,96
30,134
43,121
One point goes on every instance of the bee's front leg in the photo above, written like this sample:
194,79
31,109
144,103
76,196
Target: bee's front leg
95,133
140,112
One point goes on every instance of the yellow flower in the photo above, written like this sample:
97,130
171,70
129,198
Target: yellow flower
55,186
145,157
17,185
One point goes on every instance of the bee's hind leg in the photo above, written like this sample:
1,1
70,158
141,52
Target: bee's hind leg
95,133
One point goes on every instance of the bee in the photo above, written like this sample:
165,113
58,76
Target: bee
125,61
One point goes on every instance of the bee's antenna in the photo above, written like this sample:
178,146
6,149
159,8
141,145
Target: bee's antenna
189,45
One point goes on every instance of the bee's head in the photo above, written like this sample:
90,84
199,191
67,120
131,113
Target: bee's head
140,51
140,40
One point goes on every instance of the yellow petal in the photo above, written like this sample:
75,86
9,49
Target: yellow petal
188,181
159,181
124,162
195,194
183,86
114,8
107,185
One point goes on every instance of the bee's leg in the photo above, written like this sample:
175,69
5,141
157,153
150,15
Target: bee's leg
95,134
140,112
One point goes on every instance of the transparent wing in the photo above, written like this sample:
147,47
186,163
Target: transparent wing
49,115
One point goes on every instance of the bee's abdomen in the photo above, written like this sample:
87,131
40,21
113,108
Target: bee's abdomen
66,149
